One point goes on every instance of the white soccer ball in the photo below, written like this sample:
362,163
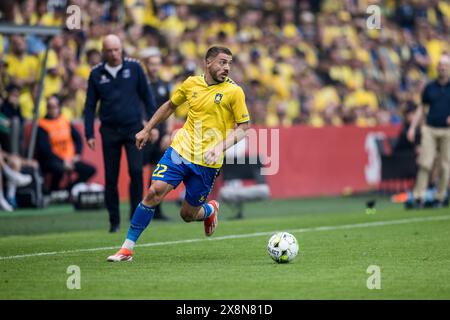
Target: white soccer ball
282,247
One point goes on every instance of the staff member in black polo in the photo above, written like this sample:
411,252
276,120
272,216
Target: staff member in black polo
121,87
435,134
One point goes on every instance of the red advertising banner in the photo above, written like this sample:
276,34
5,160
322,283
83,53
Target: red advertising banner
327,161
307,162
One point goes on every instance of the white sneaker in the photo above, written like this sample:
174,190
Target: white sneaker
19,179
4,205
122,255
23,179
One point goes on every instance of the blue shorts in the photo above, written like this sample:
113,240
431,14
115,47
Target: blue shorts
173,168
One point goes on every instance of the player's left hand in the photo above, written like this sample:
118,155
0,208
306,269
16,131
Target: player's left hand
212,155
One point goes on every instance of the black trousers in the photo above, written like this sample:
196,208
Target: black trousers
56,168
113,139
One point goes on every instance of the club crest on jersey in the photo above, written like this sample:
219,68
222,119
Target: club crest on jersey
104,79
126,73
218,98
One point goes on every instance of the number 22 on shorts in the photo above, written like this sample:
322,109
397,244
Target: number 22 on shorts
160,169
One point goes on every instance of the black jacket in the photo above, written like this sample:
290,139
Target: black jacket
120,97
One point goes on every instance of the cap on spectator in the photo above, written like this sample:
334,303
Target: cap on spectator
149,30
150,52
12,86
307,17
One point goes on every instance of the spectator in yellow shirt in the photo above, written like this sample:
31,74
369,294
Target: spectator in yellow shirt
22,67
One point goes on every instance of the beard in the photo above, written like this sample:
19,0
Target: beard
216,77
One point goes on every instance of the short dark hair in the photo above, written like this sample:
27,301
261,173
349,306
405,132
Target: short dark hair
214,51
56,96
91,52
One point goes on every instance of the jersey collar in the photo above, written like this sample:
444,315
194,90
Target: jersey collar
124,62
215,84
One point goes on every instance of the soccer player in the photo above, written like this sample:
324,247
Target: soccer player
217,119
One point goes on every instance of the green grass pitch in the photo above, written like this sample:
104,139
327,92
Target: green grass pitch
338,242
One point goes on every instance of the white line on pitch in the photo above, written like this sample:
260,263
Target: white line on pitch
238,236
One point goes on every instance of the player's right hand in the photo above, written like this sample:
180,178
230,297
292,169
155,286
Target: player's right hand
141,138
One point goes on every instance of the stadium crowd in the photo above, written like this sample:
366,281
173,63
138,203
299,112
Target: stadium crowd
308,62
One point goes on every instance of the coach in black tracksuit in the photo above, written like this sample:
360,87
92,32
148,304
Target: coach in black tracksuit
121,86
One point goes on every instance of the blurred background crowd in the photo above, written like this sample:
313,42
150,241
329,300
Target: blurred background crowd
314,63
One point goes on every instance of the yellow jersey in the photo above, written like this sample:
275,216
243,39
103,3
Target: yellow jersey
213,110
25,68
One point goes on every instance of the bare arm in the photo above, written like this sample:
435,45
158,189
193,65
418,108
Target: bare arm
233,137
415,123
160,115
236,135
